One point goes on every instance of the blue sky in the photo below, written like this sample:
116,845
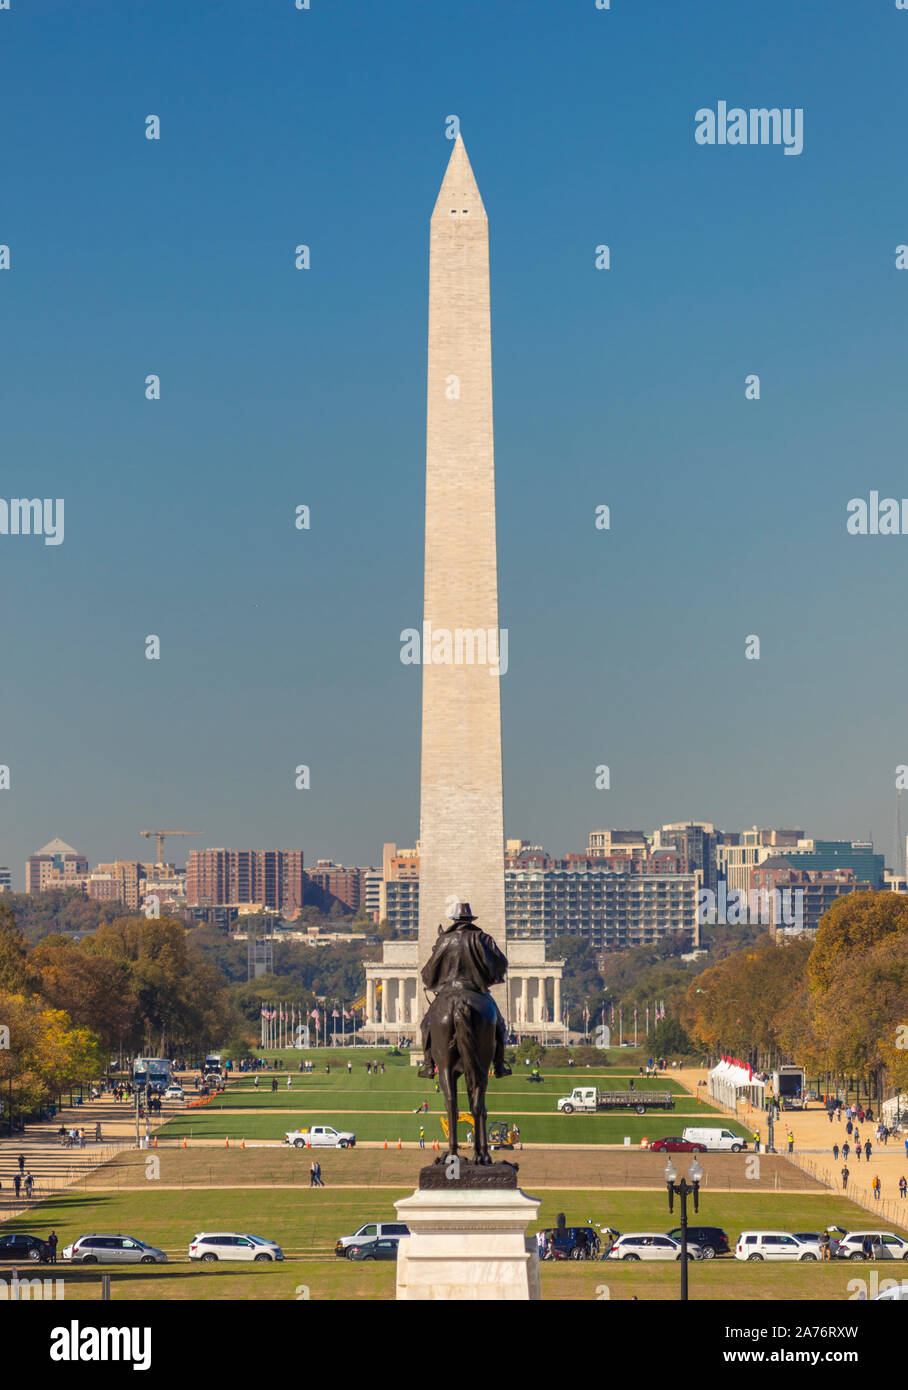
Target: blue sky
281,387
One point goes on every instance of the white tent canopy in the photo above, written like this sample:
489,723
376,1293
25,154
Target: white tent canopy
730,1079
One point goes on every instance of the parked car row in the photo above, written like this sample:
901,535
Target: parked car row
110,1248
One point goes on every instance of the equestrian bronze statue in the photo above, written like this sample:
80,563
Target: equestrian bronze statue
463,1033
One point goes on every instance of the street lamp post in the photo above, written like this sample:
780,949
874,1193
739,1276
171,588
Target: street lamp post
688,1185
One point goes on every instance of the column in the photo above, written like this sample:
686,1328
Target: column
370,998
556,980
524,1000
401,1000
384,1000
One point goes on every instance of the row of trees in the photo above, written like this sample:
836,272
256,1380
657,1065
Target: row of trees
837,1003
137,985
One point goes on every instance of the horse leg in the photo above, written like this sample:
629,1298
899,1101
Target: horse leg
476,1092
448,1084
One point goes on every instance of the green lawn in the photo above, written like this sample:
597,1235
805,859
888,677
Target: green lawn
385,1125
308,1222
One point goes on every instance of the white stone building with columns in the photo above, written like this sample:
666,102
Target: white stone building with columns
396,998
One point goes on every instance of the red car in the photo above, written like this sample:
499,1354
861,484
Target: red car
676,1146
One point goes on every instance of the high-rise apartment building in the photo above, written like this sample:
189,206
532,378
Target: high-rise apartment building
240,877
696,843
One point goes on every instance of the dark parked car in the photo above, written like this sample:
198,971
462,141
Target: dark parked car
711,1239
571,1243
22,1247
672,1145
384,1248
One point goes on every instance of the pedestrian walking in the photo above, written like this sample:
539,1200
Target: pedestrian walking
846,1150
289,1082
318,1175
21,1164
903,1186
312,1178
791,1142
867,1148
845,1177
835,1153
98,1132
29,1185
349,1068
368,1068
52,1242
857,1151
906,1146
876,1185
81,1138
829,1115
422,1137
849,1128
17,1184
255,1081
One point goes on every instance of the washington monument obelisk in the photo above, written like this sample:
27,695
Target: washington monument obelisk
461,823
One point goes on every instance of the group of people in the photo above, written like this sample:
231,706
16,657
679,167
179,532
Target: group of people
75,1138
23,1179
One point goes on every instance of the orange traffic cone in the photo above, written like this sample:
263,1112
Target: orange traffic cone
386,1143
154,1142
399,1145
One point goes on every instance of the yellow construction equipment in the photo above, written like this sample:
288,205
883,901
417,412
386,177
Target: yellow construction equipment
501,1135
160,837
361,1002
464,1117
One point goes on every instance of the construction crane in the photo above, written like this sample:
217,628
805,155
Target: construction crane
160,837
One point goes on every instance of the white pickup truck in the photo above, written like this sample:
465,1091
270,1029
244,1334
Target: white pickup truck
320,1137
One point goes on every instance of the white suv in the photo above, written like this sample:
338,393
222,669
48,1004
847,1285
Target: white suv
851,1247
648,1245
775,1245
223,1245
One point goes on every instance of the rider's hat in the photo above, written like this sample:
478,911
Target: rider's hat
462,914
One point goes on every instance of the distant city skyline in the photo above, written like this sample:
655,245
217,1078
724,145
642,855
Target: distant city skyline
311,858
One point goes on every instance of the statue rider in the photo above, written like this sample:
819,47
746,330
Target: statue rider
464,958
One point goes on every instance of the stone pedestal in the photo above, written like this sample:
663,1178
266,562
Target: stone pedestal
468,1243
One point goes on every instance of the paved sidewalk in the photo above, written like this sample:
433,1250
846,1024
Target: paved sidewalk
55,1167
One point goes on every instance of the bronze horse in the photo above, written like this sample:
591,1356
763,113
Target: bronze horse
463,1031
